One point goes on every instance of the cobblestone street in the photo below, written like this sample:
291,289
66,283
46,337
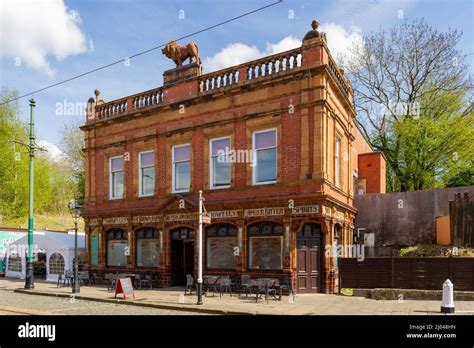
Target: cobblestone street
12,303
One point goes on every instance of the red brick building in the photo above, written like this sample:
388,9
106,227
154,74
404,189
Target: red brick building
271,144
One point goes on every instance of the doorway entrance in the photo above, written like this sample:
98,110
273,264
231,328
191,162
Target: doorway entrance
182,255
309,258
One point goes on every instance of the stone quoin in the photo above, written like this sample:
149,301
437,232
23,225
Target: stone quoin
149,154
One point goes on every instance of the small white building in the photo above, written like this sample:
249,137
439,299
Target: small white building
58,248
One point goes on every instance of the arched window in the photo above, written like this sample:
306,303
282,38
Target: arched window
56,264
265,245
14,263
116,248
221,239
148,247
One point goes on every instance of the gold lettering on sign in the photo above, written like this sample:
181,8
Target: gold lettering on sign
179,217
305,209
146,219
115,221
223,214
93,222
264,212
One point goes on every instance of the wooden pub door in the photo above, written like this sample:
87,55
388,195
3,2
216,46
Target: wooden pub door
309,256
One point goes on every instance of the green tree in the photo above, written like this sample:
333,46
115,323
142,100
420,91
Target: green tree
53,189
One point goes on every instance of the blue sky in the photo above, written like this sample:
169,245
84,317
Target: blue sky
100,32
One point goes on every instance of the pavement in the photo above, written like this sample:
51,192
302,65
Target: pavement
173,299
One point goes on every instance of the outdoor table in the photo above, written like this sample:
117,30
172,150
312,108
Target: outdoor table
267,282
206,281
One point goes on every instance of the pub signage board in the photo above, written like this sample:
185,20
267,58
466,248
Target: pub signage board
125,287
180,217
115,221
146,219
264,212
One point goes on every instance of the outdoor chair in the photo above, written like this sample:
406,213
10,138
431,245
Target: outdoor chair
145,280
245,284
68,278
233,283
112,281
224,285
265,287
189,284
60,280
83,277
95,278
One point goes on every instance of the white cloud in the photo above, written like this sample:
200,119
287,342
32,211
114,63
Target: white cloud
52,150
238,53
340,39
339,42
34,30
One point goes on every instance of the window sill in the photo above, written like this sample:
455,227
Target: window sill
264,183
220,187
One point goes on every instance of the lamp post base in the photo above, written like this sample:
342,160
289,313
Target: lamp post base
199,293
76,288
29,279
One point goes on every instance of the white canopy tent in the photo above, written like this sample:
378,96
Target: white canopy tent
59,249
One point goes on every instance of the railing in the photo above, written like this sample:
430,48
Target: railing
149,98
257,69
111,109
338,76
218,80
134,102
274,65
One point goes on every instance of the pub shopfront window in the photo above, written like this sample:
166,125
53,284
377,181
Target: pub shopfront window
56,264
14,263
221,239
146,173
148,247
181,168
265,157
265,246
116,248
220,166
116,177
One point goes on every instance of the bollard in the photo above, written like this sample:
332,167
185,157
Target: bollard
447,306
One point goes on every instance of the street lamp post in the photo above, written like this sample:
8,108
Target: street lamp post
75,209
199,280
29,279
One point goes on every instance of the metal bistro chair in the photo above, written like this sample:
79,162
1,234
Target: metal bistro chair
112,281
146,280
265,287
190,285
245,285
68,278
83,276
224,285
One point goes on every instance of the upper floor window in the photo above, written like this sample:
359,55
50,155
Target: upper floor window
146,173
337,162
116,177
220,166
181,168
265,157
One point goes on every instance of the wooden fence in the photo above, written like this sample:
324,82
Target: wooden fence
427,273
